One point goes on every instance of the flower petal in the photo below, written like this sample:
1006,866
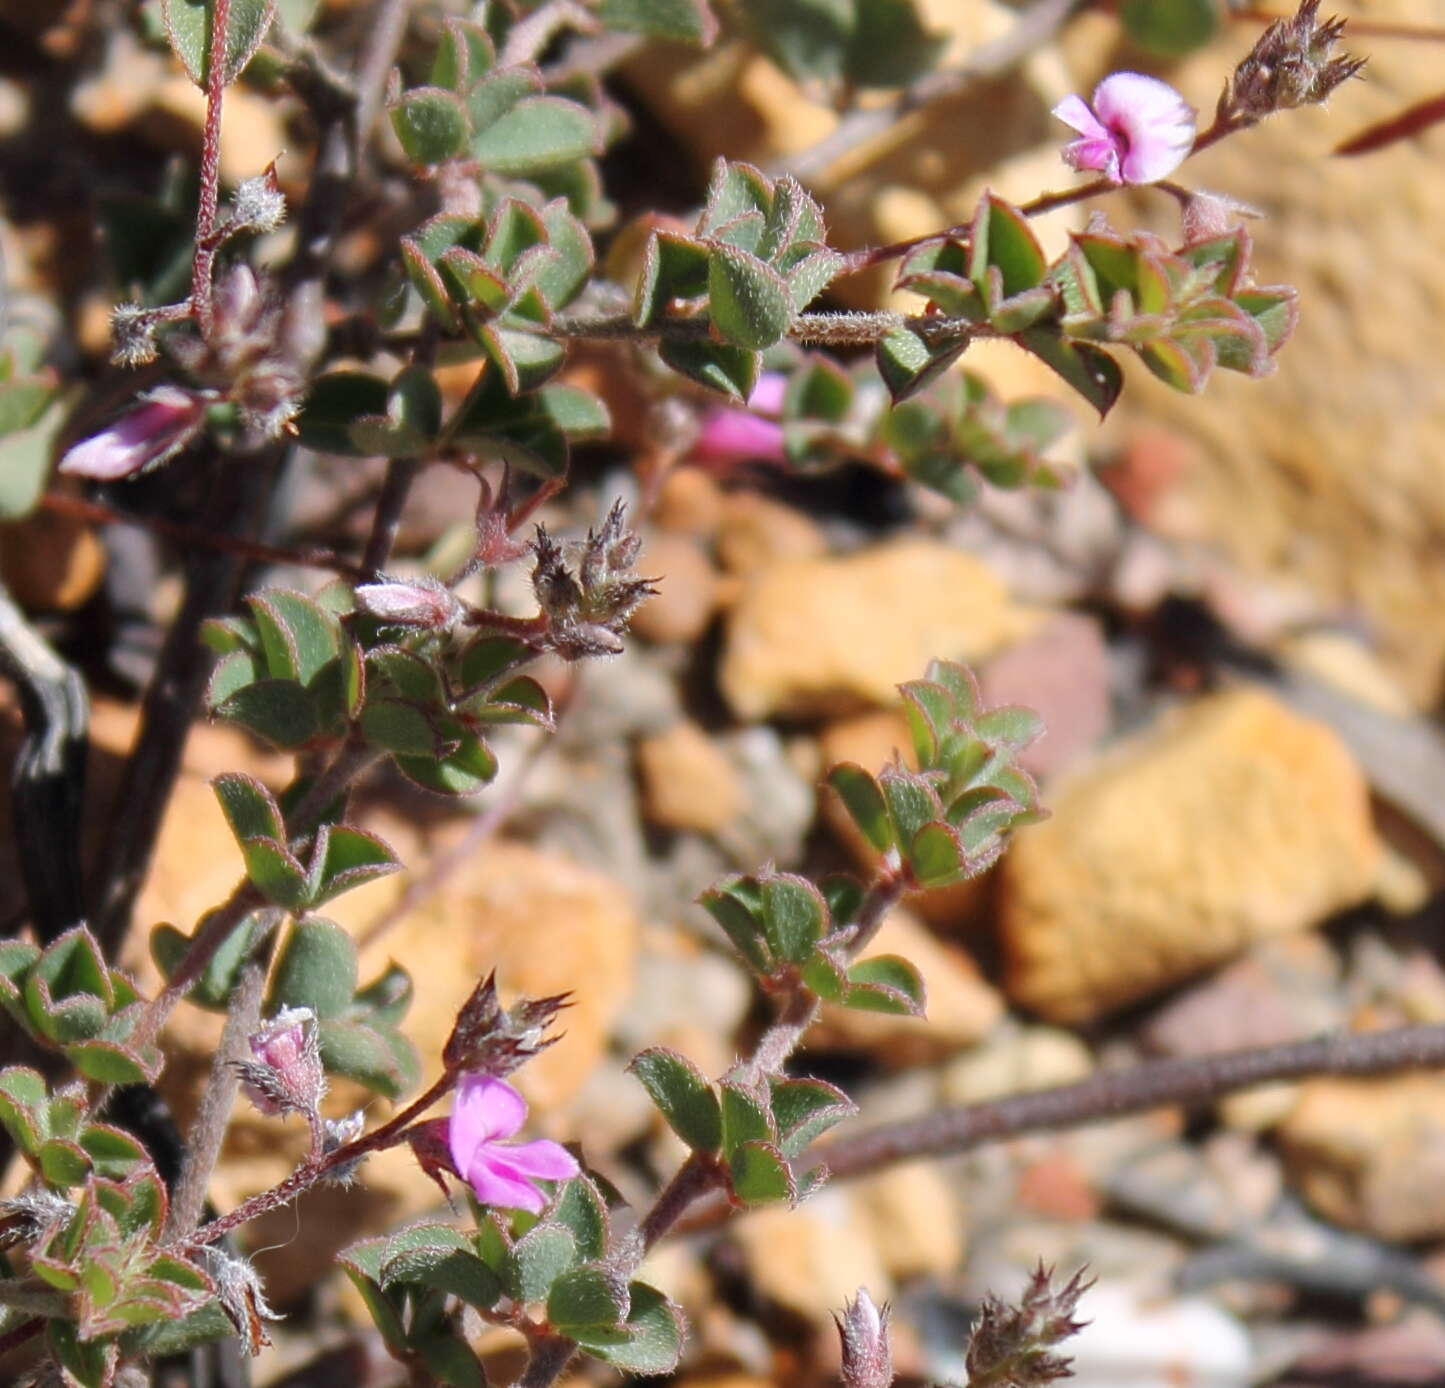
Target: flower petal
497,1183
548,1160
485,1108
1075,113
162,423
1152,124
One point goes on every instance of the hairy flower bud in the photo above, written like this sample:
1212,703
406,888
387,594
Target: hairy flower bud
258,204
863,1329
164,422
285,1073
1290,65
1015,1343
416,602
495,1040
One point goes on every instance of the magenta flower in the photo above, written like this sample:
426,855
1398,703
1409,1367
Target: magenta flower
164,422
731,435
1139,129
486,1111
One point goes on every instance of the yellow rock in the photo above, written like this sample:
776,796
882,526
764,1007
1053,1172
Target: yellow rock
756,531
811,637
687,590
687,782
1232,820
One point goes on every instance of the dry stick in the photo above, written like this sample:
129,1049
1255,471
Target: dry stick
1191,1081
208,1131
384,36
1036,25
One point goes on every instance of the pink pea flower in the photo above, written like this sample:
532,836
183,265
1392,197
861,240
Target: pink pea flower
488,1110
1138,130
165,421
732,435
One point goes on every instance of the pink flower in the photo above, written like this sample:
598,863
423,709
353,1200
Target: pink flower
1139,129
486,1111
731,435
165,421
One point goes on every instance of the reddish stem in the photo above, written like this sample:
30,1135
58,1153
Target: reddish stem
205,255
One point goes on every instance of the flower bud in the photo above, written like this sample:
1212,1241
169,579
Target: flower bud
418,602
164,422
863,1328
285,1074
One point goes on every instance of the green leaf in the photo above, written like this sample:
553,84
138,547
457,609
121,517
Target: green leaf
808,39
734,190
730,371
673,267
683,1096
794,916
525,359
889,46
747,299
346,857
907,363
278,711
1002,238
683,21
935,857
1170,27
655,1343
734,904
115,1154
276,873
581,1209
250,808
864,802
886,983
745,1117
24,1107
317,969
376,1056
583,1300
805,1109
448,1265
63,1163
25,458
537,1260
111,1062
912,801
1088,369
448,1359
188,26
760,1174
431,124
538,133
464,772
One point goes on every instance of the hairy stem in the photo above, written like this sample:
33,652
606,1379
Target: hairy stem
315,1167
205,253
550,1355
208,1131
1191,1081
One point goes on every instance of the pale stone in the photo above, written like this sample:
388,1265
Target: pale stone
687,590
1370,1153
826,635
915,1220
687,781
1014,1060
1232,820
814,1258
755,531
962,1007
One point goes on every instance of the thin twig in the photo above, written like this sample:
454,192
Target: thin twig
316,1167
205,253
208,1131
1189,1081
991,60
196,537
383,38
